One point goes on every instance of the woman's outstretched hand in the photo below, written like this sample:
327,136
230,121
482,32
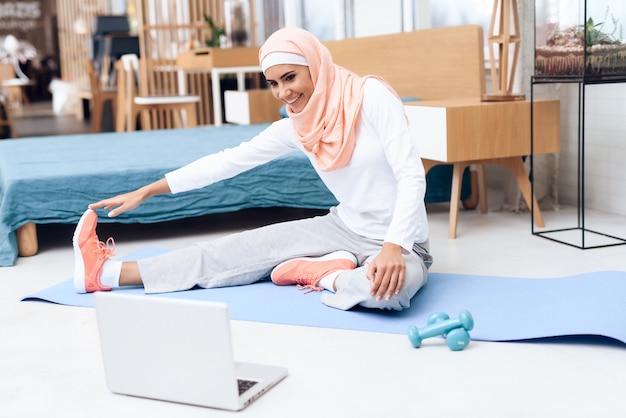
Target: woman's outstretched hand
386,272
129,201
120,203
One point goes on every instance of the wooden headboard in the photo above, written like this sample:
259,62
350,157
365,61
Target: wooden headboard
429,64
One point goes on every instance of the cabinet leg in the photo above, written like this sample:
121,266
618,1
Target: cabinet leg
455,198
517,168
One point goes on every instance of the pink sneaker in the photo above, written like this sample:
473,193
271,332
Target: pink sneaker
306,272
89,254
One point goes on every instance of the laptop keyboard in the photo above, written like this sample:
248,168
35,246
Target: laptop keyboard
244,385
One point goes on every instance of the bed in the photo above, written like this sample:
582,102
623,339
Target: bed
52,179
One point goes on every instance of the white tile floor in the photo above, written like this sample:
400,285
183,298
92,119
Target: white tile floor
50,363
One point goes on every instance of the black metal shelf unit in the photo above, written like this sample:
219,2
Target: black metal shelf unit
569,235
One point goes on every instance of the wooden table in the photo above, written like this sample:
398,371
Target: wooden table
217,62
465,132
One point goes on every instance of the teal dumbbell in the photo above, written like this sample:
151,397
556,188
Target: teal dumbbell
457,339
437,317
455,330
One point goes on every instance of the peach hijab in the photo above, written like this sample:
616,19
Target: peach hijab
327,125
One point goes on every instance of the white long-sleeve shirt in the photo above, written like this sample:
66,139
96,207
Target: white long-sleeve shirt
381,190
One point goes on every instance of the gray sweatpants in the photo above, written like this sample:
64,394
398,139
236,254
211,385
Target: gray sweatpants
249,256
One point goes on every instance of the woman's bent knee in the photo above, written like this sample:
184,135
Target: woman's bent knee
354,289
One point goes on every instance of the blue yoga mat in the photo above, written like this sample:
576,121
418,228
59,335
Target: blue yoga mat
504,308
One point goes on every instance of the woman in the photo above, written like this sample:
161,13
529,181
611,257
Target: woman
369,250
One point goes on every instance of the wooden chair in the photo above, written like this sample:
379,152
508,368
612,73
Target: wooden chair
7,130
14,87
99,97
180,109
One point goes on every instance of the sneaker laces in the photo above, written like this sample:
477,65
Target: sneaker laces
105,249
312,287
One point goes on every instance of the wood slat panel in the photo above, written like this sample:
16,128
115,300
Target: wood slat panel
75,19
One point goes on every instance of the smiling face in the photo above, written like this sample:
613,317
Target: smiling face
291,84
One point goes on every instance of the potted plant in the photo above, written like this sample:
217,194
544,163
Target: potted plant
592,49
216,33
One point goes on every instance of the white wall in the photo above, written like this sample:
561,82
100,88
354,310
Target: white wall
604,146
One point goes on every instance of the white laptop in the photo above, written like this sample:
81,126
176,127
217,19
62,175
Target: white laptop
176,350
